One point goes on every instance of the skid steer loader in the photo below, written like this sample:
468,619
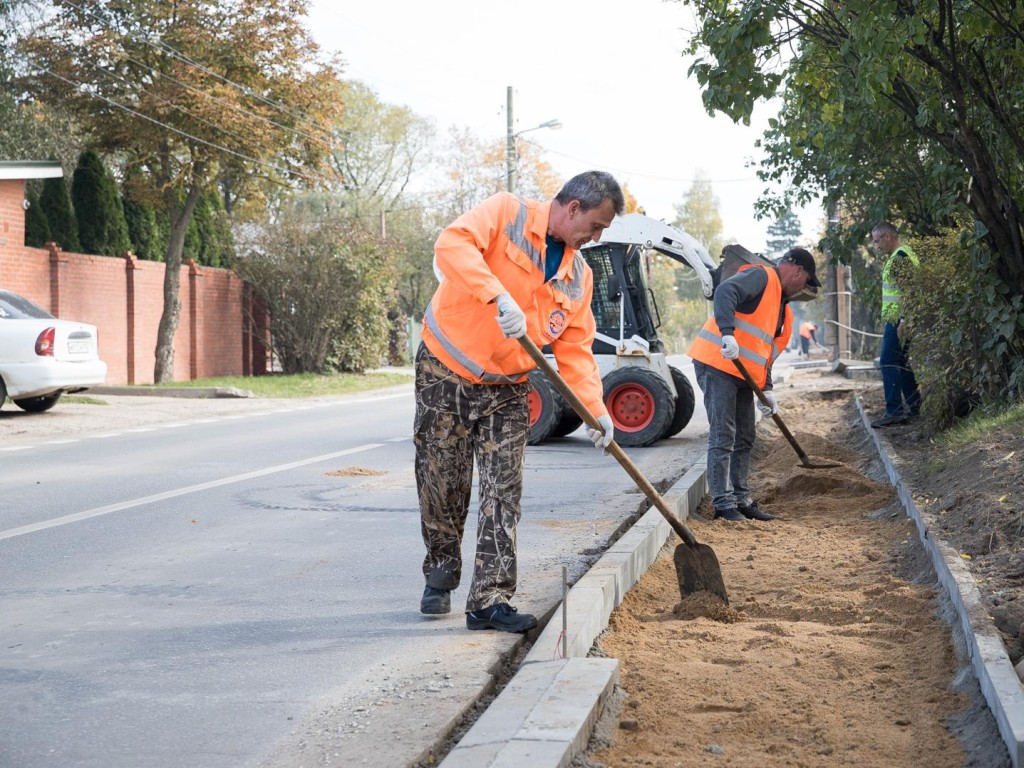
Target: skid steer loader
647,398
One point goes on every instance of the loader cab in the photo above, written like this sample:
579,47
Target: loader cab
623,303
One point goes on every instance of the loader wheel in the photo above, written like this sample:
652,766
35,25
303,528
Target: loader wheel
685,401
640,403
545,409
569,423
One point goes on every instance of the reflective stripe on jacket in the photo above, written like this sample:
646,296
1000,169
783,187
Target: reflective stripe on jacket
755,334
891,309
500,246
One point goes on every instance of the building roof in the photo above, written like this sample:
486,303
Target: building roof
30,169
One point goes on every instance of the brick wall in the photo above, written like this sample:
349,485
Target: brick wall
123,298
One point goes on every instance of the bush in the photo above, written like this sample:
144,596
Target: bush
327,285
966,330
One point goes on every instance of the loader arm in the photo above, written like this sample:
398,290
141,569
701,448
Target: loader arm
636,228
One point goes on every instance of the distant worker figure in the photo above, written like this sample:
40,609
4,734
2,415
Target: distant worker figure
902,397
807,329
752,322
508,268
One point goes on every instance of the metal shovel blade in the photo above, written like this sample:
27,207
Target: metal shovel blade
697,570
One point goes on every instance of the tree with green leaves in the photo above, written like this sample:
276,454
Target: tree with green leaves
892,110
148,237
55,203
37,229
907,112
98,209
784,233
197,93
699,215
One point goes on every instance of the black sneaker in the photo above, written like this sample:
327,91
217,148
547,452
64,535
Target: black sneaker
502,617
889,420
436,601
752,512
729,514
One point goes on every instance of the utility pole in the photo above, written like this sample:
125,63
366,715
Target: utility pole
511,158
510,147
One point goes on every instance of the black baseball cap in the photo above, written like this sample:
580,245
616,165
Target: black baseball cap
803,258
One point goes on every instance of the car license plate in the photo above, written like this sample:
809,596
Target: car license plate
78,347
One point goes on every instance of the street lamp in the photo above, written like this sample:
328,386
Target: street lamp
511,160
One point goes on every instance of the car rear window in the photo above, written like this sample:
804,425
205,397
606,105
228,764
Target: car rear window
15,307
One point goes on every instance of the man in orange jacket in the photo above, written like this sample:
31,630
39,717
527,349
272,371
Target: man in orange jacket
752,321
508,267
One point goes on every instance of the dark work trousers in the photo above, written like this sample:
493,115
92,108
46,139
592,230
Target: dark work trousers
898,381
730,406
456,423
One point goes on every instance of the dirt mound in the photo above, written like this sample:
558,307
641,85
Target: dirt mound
831,653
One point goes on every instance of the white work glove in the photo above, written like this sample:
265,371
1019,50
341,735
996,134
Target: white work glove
510,317
764,409
730,349
602,438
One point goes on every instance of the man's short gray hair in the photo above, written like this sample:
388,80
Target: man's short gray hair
592,188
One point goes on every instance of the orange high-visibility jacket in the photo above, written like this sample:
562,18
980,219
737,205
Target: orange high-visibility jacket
499,246
807,328
758,334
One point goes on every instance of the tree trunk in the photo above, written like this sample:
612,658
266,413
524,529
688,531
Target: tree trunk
181,215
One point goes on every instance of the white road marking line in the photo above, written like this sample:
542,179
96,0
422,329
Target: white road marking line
106,510
399,439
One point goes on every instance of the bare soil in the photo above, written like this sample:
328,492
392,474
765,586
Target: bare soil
835,648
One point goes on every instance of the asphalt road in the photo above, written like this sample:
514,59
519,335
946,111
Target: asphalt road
242,589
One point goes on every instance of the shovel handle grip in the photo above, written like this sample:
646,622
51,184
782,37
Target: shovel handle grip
613,448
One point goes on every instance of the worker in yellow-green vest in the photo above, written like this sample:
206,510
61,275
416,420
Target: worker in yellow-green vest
902,397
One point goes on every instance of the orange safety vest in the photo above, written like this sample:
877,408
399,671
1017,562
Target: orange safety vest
500,246
758,334
806,329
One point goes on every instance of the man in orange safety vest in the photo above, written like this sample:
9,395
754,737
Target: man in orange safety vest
508,267
752,322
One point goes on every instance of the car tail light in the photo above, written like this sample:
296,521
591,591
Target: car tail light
44,343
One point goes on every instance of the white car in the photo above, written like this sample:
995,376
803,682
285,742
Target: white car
42,357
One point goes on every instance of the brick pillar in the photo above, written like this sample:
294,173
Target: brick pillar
130,265
57,258
246,329
193,319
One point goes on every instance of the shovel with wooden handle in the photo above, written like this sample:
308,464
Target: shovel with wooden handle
697,568
804,460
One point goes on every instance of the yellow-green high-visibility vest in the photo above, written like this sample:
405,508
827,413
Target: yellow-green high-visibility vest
890,291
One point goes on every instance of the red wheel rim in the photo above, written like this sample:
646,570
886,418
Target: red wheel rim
536,406
631,407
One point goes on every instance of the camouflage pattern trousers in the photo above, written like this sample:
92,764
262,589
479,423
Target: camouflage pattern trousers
456,422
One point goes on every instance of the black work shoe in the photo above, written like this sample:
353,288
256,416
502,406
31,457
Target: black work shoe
502,617
752,512
889,420
729,514
436,601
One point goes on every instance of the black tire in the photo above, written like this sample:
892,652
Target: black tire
545,409
640,403
38,404
569,422
3,393
685,401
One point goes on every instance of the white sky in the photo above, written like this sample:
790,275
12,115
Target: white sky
612,71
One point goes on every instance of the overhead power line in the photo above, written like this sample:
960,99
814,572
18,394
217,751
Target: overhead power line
283,171
165,48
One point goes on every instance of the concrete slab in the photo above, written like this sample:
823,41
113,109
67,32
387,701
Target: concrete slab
543,717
